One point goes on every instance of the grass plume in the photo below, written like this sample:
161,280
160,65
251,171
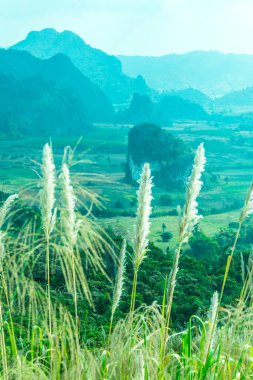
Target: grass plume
187,223
119,283
48,210
142,225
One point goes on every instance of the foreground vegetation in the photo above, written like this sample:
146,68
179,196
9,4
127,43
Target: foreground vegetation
72,295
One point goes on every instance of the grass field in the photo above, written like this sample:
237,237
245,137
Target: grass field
210,225
103,155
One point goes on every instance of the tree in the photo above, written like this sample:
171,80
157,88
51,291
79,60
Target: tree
164,227
202,246
166,236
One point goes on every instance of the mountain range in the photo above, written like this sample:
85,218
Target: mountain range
194,76
59,78
212,73
54,83
61,70
102,69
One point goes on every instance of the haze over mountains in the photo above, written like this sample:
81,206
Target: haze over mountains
212,73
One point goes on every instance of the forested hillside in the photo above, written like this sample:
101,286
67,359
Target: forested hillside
102,69
39,107
163,111
60,70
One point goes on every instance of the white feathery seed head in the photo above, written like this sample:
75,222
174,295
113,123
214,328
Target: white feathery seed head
3,213
190,215
119,283
5,208
213,308
48,189
211,327
248,205
142,226
70,223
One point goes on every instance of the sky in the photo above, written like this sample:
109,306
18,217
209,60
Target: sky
136,27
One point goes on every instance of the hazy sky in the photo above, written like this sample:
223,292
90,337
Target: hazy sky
144,27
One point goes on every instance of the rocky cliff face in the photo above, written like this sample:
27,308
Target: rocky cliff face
169,157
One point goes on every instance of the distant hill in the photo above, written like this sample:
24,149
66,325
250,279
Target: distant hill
60,70
212,73
167,109
193,96
141,109
174,108
102,69
237,98
39,107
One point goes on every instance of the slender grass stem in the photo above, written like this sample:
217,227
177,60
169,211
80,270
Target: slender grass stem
110,329
172,285
75,290
229,260
134,288
10,315
170,295
48,282
3,346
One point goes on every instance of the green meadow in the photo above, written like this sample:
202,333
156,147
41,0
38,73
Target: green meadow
101,154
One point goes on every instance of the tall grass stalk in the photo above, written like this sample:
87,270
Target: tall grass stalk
211,325
142,226
242,268
3,346
246,211
48,210
187,223
70,223
4,210
119,284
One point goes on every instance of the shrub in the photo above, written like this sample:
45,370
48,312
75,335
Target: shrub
166,236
